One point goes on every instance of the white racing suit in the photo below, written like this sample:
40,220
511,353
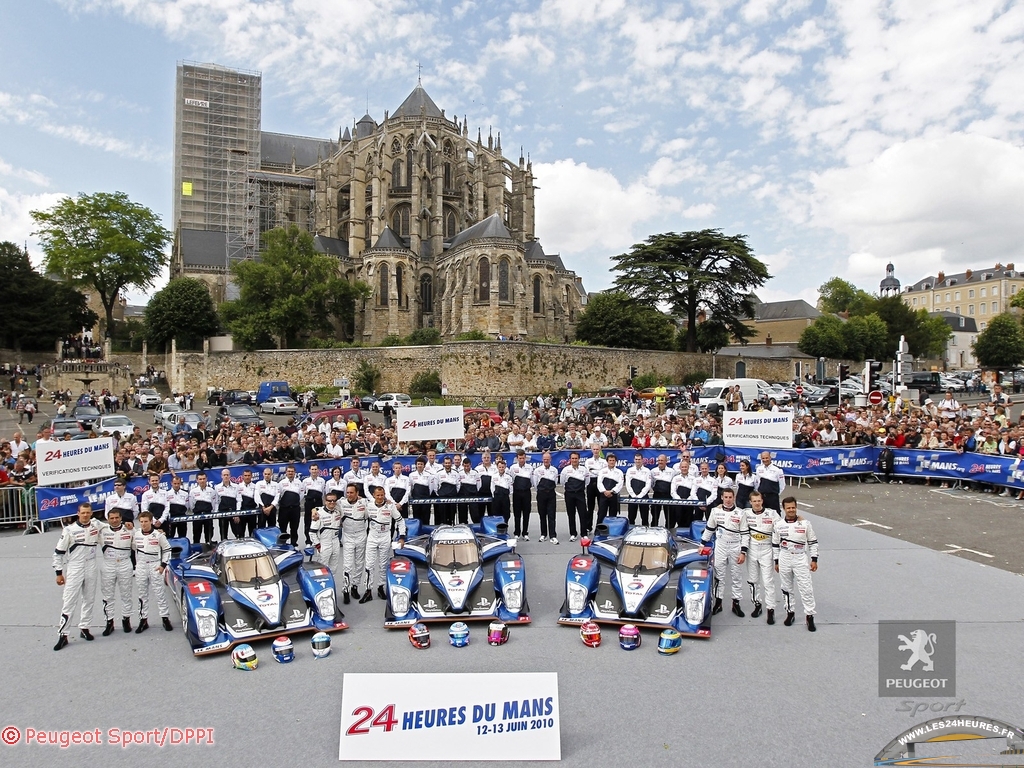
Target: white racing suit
732,539
378,541
116,569
151,552
760,565
324,533
794,546
353,540
75,559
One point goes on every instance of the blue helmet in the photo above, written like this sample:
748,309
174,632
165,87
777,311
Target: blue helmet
670,641
321,643
458,634
629,637
283,650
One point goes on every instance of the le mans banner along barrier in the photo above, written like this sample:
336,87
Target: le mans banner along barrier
809,462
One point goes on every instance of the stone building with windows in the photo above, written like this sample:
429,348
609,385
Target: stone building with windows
439,224
975,293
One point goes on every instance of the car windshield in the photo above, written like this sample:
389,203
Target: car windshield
640,559
240,410
87,410
117,421
147,391
168,407
714,391
454,554
251,571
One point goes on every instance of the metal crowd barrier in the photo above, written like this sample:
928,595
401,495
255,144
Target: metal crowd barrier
18,508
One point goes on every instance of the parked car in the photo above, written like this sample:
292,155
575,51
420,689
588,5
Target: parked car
213,396
234,396
114,422
597,406
366,402
395,399
279,404
86,415
63,426
147,398
240,414
165,411
192,420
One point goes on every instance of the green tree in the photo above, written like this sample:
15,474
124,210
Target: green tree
39,311
865,337
425,383
837,295
929,335
367,377
616,320
824,338
474,335
695,272
184,310
1001,344
289,293
711,336
103,241
424,337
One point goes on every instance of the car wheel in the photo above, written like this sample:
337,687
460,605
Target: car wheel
183,608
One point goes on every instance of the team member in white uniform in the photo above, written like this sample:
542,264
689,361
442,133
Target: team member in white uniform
609,485
382,513
661,484
705,489
485,474
760,566
638,486
290,489
152,553
771,481
154,499
267,497
202,500
731,542
446,487
353,539
74,560
116,570
245,524
356,474
227,500
397,488
594,464
545,478
574,478
313,489
373,479
522,487
177,506
121,499
796,556
469,485
501,482
422,489
325,529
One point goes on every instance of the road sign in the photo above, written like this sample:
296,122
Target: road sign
342,383
875,397
906,368
799,391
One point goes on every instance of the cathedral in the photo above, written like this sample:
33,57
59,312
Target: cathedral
440,225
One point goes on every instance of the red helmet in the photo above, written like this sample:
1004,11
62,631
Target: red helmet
590,632
419,635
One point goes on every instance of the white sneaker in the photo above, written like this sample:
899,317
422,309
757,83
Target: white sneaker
543,538
554,540
526,537
572,538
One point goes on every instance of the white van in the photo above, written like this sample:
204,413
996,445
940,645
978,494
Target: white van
714,390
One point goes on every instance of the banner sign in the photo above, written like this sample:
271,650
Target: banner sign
430,422
71,461
421,716
1004,471
758,429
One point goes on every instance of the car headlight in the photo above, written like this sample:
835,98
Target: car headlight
400,597
577,598
513,596
206,624
693,606
325,604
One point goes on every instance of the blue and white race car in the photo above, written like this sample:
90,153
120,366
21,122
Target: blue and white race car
245,589
650,577
440,575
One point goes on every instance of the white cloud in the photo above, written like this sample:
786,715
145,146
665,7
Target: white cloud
699,211
582,142
949,202
16,225
33,177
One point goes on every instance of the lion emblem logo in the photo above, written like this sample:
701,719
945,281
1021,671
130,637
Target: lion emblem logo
921,645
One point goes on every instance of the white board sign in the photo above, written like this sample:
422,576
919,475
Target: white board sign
422,716
430,422
758,429
68,461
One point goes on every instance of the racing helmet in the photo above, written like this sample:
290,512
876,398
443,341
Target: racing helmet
670,642
419,635
321,643
284,650
590,633
244,657
458,634
497,633
629,637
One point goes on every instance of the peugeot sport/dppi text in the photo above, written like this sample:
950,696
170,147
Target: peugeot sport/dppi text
245,589
439,575
650,577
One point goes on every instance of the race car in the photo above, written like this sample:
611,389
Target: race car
650,577
245,589
440,575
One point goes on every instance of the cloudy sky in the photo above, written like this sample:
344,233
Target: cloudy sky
835,135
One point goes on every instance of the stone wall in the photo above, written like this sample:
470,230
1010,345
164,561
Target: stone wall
469,369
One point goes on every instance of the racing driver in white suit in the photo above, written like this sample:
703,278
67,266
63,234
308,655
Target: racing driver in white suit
74,560
729,522
760,571
382,513
796,556
324,528
116,570
353,539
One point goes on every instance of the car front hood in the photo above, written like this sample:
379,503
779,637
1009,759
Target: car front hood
266,600
636,589
456,585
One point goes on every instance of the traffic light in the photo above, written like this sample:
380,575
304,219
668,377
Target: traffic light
844,372
872,370
632,372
